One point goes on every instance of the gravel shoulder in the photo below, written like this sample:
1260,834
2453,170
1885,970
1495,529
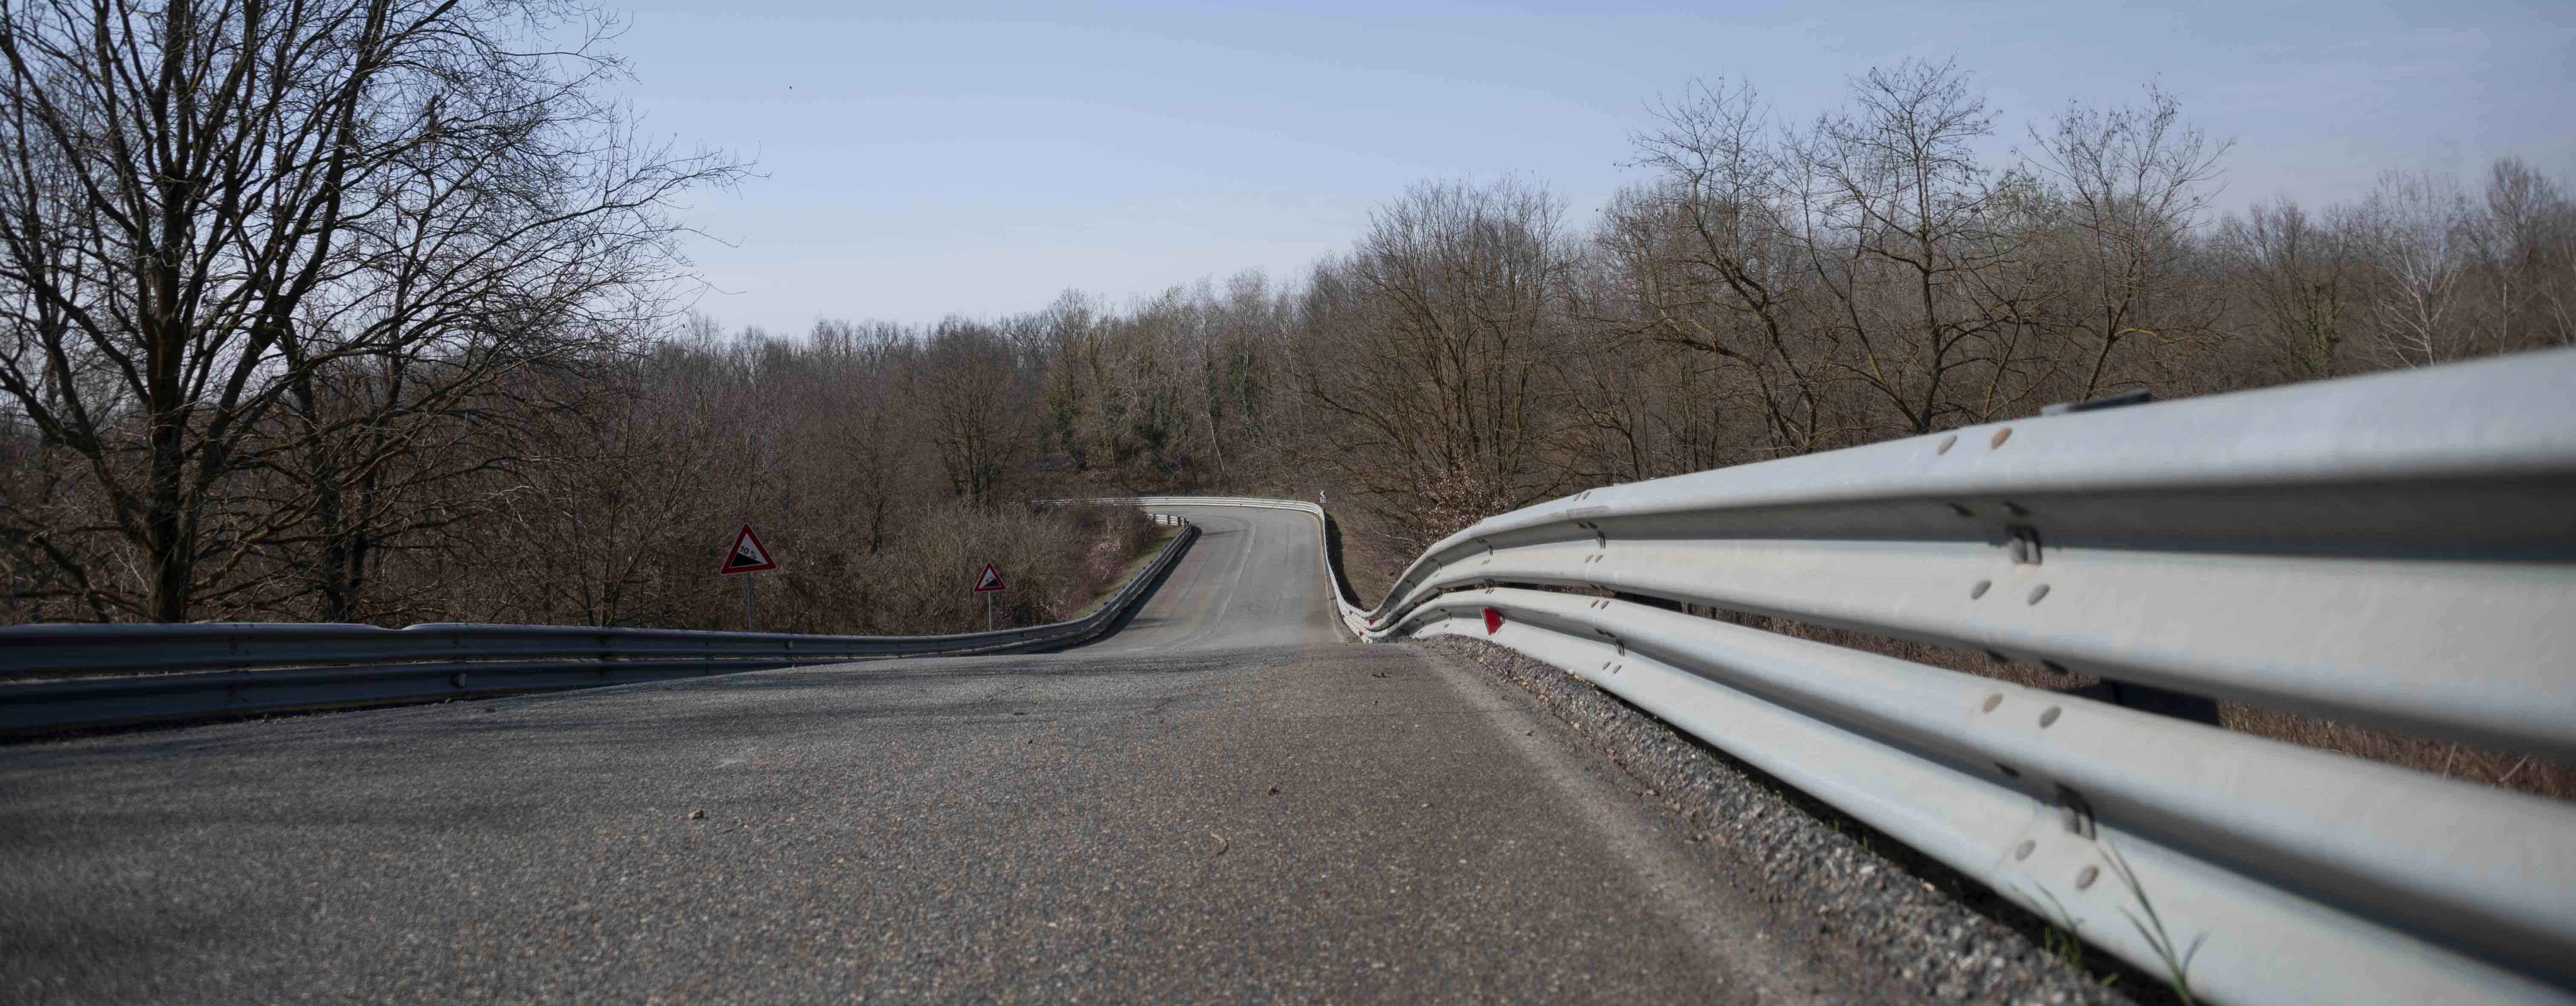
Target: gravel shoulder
1899,926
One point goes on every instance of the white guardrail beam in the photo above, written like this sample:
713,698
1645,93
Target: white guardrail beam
2397,550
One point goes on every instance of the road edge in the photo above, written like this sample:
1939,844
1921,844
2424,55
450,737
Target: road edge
1878,906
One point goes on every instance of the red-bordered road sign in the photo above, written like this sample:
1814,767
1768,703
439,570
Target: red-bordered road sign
990,582
747,556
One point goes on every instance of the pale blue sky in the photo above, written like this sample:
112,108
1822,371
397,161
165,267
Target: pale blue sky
980,158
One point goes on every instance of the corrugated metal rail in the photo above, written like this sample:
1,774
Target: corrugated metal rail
284,667
2397,550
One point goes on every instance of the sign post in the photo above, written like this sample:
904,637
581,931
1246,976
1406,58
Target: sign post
988,585
747,556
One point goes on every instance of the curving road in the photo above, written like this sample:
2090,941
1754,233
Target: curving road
1253,581
1224,800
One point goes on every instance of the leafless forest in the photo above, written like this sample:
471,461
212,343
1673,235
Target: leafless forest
354,312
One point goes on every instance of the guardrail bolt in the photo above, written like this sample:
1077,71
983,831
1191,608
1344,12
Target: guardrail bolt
2023,851
2049,717
2079,813
1992,701
1946,443
2087,876
2022,543
1980,589
2000,436
2038,592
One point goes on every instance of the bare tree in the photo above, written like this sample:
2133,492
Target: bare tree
1440,329
2132,183
858,422
1903,233
1233,366
1715,260
586,532
2413,227
209,211
966,384
2299,272
2509,237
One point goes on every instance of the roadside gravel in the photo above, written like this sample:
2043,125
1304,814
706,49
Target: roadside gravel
1859,895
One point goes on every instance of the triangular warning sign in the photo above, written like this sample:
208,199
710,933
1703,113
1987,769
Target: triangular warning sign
747,555
990,582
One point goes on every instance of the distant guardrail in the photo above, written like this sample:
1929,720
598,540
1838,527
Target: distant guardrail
1353,617
2397,550
232,668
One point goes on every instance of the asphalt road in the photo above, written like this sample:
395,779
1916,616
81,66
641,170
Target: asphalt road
1224,801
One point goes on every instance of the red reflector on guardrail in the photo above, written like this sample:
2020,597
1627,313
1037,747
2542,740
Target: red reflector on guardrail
1493,621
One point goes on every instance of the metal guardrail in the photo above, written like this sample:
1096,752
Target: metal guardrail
320,666
2397,550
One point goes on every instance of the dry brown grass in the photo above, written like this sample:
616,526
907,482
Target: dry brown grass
2518,772
1118,536
2523,773
1144,556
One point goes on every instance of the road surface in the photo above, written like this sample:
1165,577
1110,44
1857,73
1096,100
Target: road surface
1226,800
